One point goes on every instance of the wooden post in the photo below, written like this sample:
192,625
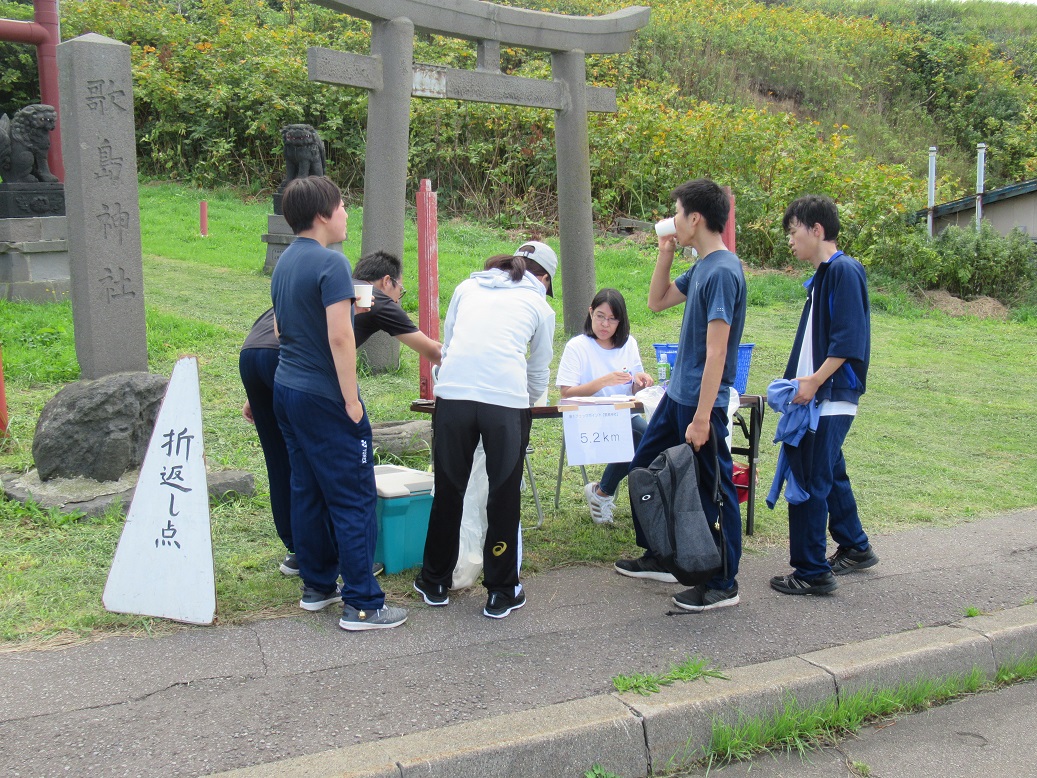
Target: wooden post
428,276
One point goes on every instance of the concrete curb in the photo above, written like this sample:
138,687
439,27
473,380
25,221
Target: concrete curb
563,738
884,663
631,735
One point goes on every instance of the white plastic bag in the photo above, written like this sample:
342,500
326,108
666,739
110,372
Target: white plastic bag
733,403
473,524
650,398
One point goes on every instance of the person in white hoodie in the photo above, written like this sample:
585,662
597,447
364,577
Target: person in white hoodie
486,386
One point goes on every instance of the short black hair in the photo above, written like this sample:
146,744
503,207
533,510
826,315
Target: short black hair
615,301
704,196
813,209
305,199
378,264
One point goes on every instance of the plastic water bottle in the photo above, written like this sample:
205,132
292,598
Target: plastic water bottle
663,369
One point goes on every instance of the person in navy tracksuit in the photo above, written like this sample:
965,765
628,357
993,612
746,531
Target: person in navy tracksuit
324,423
829,359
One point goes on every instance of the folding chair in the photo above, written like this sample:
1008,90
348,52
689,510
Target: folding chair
533,488
561,464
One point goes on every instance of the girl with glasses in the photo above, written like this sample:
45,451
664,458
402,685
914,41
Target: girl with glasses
604,361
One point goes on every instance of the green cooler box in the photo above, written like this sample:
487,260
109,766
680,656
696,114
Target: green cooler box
404,502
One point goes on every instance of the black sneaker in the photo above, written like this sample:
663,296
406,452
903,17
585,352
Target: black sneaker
377,568
793,584
645,567
432,594
846,560
702,598
500,604
290,565
315,600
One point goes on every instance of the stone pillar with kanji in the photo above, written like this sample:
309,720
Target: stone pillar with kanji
102,208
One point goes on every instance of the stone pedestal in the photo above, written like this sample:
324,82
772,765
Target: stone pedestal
34,258
18,201
278,237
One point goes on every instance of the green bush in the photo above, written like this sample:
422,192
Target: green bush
983,262
963,260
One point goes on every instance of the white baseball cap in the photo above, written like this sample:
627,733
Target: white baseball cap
544,256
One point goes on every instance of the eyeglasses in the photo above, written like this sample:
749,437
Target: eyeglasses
601,318
399,286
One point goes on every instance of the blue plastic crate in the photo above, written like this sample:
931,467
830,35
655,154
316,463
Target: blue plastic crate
745,355
667,349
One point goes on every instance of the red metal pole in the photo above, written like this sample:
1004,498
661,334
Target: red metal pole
3,399
46,15
428,276
203,217
45,35
729,228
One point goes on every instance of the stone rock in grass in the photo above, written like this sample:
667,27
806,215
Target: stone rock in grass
402,438
98,429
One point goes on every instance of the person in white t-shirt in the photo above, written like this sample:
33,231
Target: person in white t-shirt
604,361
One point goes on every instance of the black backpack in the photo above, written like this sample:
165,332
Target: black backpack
665,499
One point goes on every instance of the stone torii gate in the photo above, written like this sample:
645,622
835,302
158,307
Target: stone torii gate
392,78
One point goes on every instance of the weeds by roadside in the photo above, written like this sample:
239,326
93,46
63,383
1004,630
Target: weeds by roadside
691,669
796,728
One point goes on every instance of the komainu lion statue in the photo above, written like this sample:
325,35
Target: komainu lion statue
24,143
303,153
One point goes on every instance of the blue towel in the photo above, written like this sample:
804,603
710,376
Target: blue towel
795,422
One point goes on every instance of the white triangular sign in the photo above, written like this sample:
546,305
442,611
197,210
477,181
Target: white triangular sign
163,565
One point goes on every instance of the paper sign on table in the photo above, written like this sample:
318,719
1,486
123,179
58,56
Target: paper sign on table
598,434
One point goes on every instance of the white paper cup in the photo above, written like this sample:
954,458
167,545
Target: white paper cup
364,295
665,228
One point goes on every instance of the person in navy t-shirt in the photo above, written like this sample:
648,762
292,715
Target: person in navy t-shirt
318,407
694,407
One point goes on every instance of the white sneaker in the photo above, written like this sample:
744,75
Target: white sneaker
600,507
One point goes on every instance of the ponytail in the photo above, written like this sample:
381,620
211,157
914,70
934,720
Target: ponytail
515,267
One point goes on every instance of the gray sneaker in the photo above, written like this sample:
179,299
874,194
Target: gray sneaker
386,617
315,599
644,567
702,598
290,565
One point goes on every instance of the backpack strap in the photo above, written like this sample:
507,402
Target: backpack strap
718,497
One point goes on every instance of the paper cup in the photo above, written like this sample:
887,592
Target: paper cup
665,228
364,295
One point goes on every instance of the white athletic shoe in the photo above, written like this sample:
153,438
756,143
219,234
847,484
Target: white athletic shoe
600,507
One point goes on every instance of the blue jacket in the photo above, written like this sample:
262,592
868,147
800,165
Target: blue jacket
796,423
838,294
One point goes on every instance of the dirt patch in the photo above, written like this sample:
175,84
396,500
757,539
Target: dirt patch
981,307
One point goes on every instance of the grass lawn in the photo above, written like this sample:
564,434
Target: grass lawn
945,431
